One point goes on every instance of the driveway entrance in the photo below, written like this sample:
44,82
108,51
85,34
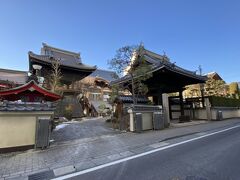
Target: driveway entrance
86,128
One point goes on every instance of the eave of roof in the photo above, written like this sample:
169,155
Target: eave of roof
30,85
104,74
13,71
129,99
158,62
128,78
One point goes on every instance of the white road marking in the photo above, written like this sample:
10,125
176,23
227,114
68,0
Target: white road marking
140,155
158,145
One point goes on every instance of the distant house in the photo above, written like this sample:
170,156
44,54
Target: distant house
11,78
104,74
194,90
96,90
213,75
99,80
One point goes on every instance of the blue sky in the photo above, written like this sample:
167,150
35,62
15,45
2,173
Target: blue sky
192,33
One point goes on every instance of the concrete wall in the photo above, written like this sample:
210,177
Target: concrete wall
19,128
226,112
202,113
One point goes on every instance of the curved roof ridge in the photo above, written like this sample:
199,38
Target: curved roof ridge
155,55
27,86
62,50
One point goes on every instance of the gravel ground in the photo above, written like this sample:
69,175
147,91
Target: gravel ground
86,128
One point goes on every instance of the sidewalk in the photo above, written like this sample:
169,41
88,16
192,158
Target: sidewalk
81,154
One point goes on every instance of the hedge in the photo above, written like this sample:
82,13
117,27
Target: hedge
224,102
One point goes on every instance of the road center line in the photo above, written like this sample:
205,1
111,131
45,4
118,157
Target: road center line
141,154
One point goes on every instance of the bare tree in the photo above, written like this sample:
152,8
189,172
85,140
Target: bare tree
56,75
125,62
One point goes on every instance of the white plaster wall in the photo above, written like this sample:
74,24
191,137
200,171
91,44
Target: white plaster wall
19,128
17,131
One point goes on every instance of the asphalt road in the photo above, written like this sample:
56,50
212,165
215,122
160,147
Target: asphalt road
213,157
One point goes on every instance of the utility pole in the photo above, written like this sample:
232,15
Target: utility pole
200,69
201,85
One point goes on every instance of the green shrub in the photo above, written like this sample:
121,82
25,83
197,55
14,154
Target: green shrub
224,102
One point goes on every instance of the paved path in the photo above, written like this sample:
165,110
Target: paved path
89,152
86,128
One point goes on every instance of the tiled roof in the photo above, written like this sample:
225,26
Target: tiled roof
27,89
146,108
104,74
214,75
46,46
129,99
15,76
158,62
20,106
73,63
